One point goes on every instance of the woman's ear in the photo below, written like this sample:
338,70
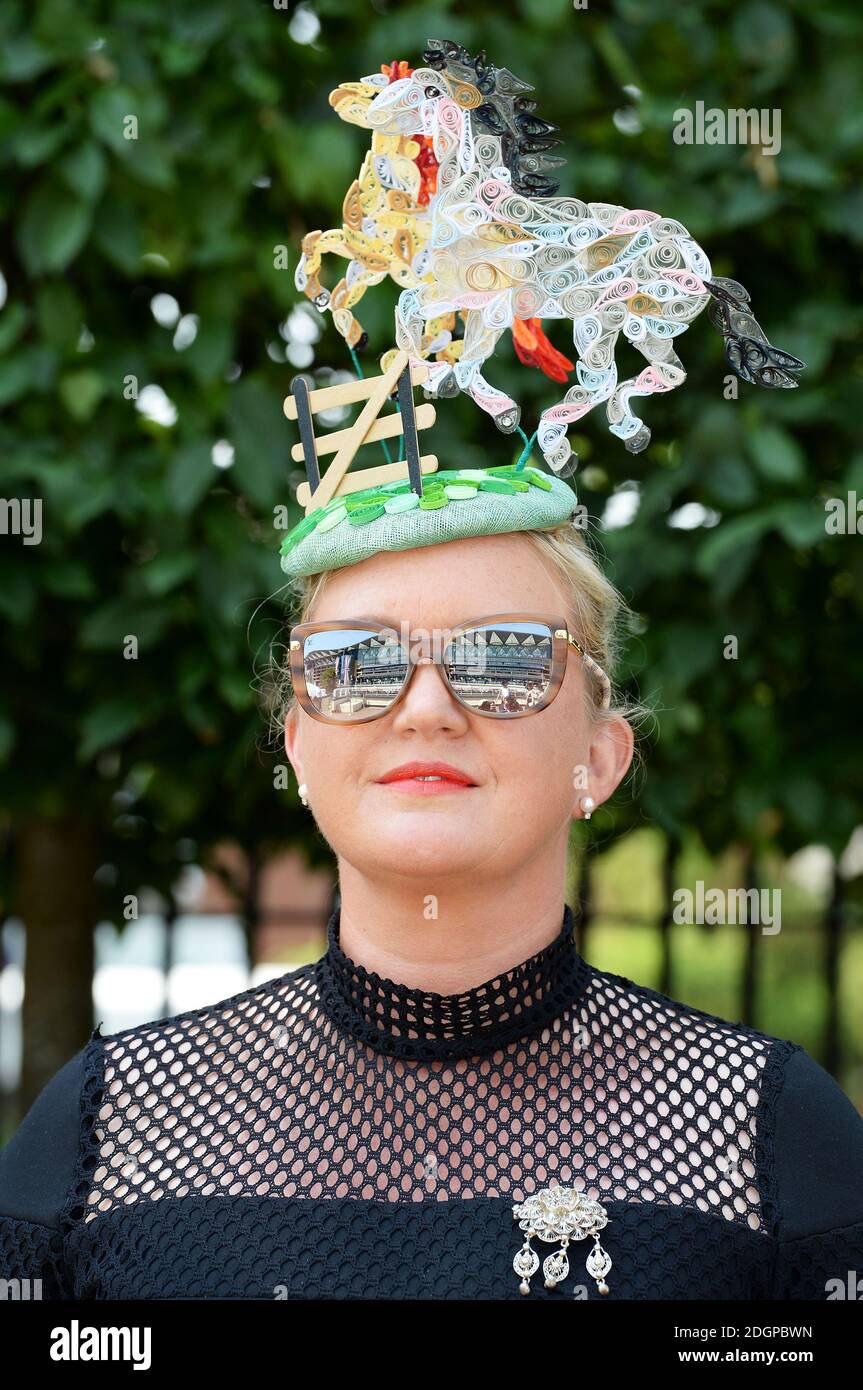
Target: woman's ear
611,750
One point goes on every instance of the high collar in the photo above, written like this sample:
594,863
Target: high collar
418,1025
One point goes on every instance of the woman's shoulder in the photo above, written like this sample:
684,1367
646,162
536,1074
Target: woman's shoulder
628,1001
43,1166
37,1164
808,1132
258,1009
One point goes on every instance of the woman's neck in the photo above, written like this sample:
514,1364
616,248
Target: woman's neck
449,935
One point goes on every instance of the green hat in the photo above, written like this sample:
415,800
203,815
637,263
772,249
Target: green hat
413,504
454,503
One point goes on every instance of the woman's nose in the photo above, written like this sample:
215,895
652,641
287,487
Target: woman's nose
428,700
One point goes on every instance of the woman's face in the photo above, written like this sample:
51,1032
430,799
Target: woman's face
528,774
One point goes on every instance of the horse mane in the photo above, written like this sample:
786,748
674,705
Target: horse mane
505,113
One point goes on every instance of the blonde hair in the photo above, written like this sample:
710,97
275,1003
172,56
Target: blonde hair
597,612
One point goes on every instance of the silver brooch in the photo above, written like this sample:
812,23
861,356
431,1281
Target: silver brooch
564,1214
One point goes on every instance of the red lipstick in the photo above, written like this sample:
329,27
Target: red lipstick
427,778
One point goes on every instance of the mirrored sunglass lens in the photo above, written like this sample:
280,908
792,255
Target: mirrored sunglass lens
502,669
353,671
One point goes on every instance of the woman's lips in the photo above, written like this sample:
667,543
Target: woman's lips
429,787
427,779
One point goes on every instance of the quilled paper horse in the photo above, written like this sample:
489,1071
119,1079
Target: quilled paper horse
501,250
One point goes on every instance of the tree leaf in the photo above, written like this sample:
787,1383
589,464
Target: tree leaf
777,455
85,170
81,392
52,229
108,723
190,475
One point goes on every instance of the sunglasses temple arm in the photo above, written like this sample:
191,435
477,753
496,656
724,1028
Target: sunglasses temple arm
595,668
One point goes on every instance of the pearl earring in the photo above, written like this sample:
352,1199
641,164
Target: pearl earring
302,789
587,805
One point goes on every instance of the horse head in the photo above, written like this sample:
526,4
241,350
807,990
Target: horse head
412,105
489,100
351,101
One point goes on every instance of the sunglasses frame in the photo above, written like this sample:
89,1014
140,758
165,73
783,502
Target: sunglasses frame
562,639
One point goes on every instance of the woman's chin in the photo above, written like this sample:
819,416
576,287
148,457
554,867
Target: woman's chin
422,846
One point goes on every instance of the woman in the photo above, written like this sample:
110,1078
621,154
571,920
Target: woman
452,1103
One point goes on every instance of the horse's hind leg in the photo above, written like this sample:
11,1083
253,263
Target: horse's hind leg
595,337
664,372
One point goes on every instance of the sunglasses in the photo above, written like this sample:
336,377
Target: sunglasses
345,671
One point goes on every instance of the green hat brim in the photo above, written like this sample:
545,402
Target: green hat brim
360,524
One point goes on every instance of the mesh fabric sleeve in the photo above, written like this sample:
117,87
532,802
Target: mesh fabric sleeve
37,1168
818,1156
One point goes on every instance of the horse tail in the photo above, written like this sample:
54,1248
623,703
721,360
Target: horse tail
747,349
533,348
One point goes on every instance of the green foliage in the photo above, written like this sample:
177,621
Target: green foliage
236,153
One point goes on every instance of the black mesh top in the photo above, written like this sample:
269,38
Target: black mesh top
333,1134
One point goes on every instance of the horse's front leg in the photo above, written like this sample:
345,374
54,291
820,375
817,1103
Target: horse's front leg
349,290
307,277
307,274
345,296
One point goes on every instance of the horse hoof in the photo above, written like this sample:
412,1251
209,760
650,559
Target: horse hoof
507,422
637,442
566,469
561,460
448,387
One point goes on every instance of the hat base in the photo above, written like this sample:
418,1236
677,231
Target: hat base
454,504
